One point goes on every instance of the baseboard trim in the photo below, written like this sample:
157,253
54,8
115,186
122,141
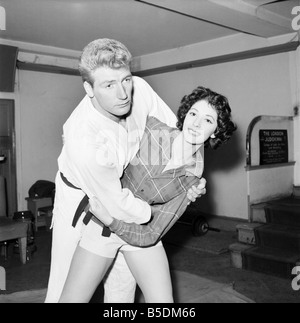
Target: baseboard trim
224,223
296,191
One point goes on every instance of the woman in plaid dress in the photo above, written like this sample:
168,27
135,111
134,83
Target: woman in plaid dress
163,181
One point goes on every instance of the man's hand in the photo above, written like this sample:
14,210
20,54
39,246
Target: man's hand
195,192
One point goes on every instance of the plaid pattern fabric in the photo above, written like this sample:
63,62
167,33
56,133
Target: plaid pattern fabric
165,191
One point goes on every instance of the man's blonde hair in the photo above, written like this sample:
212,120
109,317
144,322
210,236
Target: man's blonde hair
103,53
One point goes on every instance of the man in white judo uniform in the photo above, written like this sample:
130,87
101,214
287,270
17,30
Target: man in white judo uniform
101,137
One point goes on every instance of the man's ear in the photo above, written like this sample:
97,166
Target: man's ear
88,89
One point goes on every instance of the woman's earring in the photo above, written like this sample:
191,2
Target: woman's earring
213,136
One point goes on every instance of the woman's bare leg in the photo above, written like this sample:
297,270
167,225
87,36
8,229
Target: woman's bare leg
150,267
85,274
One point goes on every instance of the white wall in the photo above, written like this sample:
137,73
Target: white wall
254,87
45,102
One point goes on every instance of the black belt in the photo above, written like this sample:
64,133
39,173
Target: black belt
80,209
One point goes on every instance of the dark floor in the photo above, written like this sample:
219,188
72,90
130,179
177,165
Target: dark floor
258,287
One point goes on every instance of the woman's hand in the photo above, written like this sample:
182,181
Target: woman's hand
100,211
195,192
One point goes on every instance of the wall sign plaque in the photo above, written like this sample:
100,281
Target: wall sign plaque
273,147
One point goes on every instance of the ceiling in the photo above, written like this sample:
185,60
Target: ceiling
144,26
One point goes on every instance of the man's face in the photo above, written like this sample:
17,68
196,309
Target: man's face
112,92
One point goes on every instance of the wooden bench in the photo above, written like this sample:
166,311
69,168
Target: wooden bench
10,230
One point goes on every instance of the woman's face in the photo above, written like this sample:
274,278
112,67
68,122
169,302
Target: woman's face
200,123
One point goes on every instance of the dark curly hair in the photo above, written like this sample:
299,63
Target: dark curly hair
225,127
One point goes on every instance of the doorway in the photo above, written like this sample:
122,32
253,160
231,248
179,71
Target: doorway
8,153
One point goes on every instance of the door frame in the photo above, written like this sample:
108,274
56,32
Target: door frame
9,168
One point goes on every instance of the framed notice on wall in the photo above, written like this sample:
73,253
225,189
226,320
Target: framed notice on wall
274,147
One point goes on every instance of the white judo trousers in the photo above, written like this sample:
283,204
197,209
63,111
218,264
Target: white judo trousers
95,153
119,285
